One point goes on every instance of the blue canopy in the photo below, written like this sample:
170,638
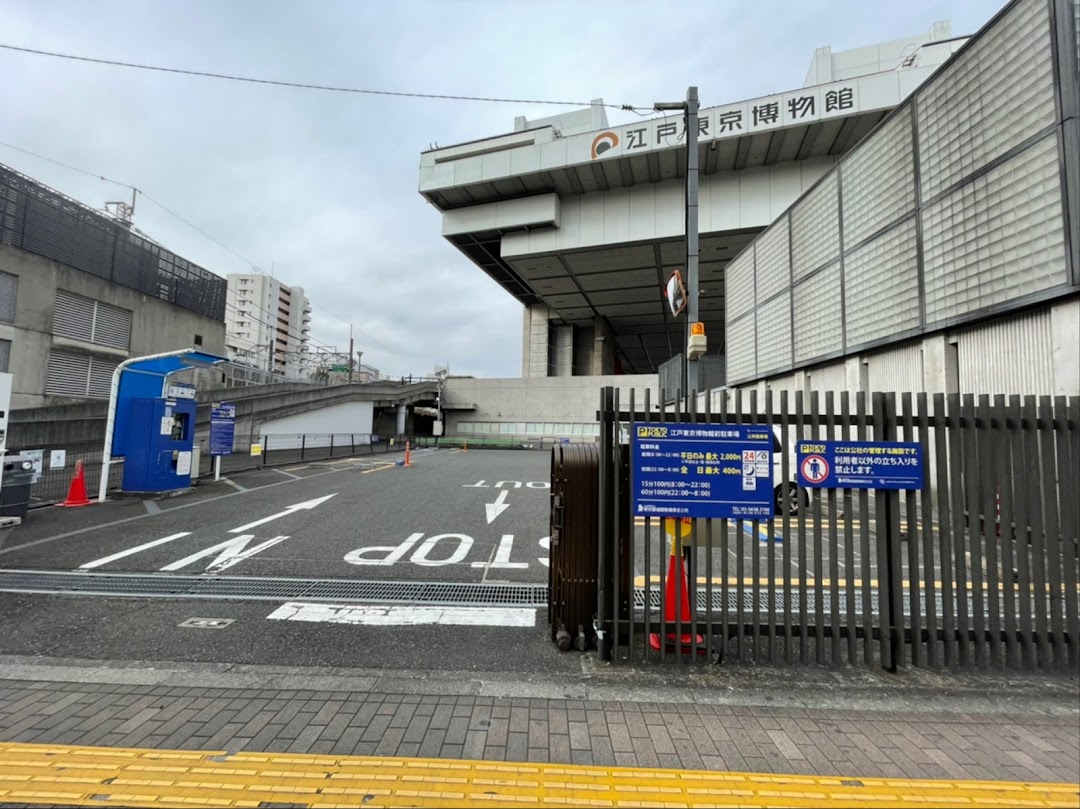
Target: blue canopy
145,379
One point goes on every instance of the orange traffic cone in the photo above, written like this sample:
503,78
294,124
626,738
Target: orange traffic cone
466,447
676,591
77,490
408,448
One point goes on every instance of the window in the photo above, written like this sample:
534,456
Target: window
9,286
72,374
198,339
91,321
5,355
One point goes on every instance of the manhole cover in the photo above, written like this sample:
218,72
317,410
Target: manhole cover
206,623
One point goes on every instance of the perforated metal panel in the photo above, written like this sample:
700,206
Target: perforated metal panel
998,92
818,329
741,347
9,292
73,316
774,334
997,238
739,285
815,228
879,180
1008,356
5,356
882,286
772,259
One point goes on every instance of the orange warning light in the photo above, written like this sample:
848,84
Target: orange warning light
697,328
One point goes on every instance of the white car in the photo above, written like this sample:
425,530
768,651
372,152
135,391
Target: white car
788,496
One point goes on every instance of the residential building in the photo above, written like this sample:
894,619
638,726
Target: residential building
268,325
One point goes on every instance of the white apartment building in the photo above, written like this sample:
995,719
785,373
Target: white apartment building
267,325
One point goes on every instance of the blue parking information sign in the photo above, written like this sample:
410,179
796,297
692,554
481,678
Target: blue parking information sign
702,470
860,465
222,428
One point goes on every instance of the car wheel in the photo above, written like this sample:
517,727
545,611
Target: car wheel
789,498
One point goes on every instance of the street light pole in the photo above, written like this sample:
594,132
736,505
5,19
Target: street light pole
691,108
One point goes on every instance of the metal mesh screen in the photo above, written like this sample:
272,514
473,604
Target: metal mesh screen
879,180
740,347
39,220
817,329
774,333
882,290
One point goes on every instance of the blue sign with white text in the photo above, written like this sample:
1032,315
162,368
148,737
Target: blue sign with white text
702,470
860,465
222,428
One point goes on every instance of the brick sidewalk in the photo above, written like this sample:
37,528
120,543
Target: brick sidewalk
973,746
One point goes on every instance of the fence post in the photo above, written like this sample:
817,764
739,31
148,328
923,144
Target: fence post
331,445
890,595
303,445
604,571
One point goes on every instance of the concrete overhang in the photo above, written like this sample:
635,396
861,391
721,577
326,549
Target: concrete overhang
590,224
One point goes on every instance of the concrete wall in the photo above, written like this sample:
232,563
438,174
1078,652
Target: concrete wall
734,200
156,325
536,400
349,417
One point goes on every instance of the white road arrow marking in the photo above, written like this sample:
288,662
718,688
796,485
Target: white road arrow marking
229,552
498,507
305,506
106,559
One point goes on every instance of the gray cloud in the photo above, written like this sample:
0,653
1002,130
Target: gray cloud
324,186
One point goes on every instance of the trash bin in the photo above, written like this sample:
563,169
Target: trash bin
15,487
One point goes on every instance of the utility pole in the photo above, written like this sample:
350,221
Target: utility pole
690,108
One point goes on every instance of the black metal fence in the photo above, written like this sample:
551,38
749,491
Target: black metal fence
980,568
51,481
40,220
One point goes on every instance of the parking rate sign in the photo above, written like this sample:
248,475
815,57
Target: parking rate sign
702,470
222,428
860,465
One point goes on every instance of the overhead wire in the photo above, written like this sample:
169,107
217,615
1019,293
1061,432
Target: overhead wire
307,85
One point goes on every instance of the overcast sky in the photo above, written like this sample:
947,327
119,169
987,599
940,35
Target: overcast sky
323,186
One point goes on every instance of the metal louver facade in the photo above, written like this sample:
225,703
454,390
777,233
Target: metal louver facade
9,290
72,374
79,318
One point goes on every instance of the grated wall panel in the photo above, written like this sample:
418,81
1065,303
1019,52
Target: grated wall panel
997,238
815,228
772,259
741,347
1012,356
879,180
881,282
998,92
898,369
818,328
774,334
739,285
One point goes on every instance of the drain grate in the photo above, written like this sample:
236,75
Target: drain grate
250,588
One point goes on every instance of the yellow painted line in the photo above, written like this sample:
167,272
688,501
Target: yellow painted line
96,776
378,468
639,581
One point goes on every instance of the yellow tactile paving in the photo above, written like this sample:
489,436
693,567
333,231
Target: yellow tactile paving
94,776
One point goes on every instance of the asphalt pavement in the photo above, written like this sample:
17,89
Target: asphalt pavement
450,517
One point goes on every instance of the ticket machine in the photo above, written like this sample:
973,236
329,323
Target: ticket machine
157,444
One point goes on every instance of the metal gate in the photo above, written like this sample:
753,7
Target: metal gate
978,569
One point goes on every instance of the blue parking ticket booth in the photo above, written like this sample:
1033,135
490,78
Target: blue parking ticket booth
151,422
222,433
